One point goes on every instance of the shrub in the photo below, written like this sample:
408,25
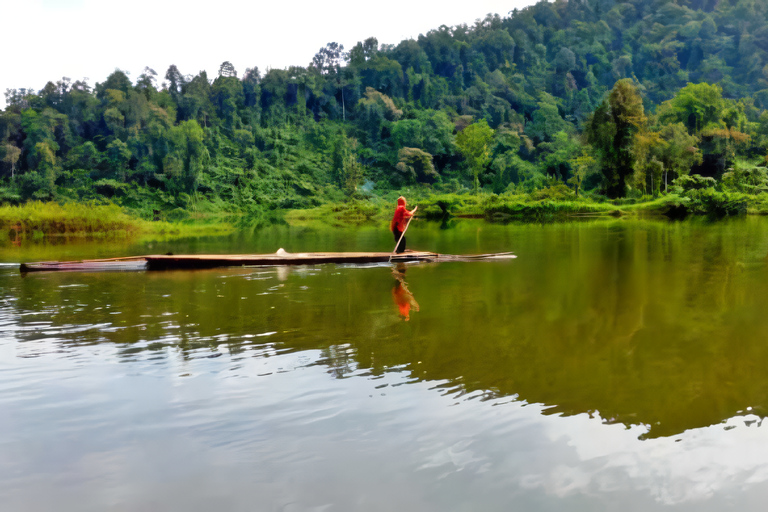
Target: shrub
692,182
750,180
556,192
709,201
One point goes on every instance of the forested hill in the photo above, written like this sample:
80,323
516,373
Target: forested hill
615,96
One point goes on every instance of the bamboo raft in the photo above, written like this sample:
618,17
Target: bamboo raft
207,261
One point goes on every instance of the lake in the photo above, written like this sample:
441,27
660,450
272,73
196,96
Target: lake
614,365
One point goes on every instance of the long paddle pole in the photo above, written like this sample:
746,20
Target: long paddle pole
394,251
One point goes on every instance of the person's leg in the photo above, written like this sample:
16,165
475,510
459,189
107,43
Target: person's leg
401,246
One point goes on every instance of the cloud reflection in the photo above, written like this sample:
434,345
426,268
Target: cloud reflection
692,467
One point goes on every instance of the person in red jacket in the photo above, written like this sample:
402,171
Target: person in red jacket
399,223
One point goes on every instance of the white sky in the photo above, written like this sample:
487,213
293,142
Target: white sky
45,40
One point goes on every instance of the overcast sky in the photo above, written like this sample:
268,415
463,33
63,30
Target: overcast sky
45,40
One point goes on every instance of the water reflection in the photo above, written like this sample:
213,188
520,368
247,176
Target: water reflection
657,326
401,295
15,235
611,366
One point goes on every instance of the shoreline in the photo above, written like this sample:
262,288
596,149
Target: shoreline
37,220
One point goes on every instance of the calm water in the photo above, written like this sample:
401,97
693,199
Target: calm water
614,365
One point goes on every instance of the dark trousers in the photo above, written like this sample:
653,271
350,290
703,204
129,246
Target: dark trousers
401,246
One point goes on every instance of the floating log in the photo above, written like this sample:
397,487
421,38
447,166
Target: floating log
111,264
281,257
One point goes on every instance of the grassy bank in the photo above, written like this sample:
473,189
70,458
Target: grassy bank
439,207
68,219
36,220
536,207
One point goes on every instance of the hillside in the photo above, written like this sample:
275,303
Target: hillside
611,97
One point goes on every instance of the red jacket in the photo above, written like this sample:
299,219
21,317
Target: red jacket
400,219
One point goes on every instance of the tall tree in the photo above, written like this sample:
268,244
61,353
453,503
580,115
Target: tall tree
10,155
680,151
611,131
175,81
328,59
474,143
227,69
147,83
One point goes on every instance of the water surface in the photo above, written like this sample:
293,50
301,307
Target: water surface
613,365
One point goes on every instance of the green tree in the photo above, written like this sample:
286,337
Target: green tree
85,156
118,156
48,127
147,83
416,165
430,130
582,167
117,81
505,158
10,156
382,74
227,96
194,152
679,153
557,155
197,101
611,131
176,82
115,121
474,144
47,167
648,170
185,157
227,70
328,59
695,105
252,95
373,111
353,173
546,121
346,169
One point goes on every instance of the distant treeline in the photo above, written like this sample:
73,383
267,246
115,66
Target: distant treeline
610,97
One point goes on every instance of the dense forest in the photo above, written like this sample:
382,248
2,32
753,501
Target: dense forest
585,97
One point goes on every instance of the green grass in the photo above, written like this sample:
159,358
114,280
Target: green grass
37,220
656,205
68,219
527,207
351,213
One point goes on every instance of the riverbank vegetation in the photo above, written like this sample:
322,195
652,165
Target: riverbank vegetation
36,219
69,219
561,108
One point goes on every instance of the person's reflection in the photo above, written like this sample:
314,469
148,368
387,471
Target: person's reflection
16,235
401,295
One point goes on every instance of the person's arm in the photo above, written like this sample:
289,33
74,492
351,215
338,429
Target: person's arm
410,213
